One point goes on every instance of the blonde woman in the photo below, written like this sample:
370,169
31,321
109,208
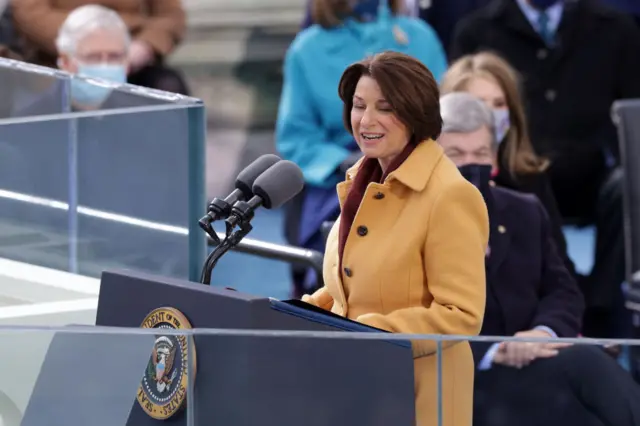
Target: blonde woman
491,79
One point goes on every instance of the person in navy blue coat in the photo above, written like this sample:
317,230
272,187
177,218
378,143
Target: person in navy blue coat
530,294
629,6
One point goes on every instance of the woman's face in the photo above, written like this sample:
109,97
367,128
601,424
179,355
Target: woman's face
377,130
488,91
493,96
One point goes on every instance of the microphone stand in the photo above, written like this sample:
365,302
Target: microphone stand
218,209
232,240
205,225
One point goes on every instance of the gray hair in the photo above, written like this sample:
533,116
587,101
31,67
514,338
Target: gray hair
83,21
464,113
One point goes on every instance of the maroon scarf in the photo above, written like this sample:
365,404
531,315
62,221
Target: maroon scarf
368,172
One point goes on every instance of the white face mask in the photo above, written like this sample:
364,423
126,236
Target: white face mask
502,123
3,6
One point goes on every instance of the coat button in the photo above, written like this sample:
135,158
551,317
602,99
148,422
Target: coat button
348,272
379,196
542,54
362,231
550,95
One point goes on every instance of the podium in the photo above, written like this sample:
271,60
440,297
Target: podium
240,379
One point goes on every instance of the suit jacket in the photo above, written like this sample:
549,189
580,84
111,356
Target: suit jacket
568,97
528,284
160,23
538,185
443,15
414,263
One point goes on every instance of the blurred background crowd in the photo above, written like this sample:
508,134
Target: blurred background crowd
542,76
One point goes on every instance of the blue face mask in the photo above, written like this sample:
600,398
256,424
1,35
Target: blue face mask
89,94
502,123
543,4
366,9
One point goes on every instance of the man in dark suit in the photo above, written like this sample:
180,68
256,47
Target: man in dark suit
443,15
530,294
576,58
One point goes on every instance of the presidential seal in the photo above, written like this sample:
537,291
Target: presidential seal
163,390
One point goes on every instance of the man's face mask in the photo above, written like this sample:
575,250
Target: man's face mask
479,175
89,94
543,4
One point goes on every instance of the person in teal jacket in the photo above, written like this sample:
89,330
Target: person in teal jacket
309,128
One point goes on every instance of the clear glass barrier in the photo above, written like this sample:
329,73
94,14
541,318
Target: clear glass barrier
25,85
93,375
540,381
98,376
120,185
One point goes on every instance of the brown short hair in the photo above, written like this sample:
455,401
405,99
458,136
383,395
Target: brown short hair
406,84
331,13
518,155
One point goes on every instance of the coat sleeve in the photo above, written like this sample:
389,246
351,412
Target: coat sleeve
454,261
561,304
38,21
300,135
164,26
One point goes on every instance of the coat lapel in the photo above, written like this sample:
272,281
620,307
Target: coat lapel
511,15
414,173
568,34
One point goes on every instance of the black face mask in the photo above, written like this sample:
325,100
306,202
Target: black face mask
480,176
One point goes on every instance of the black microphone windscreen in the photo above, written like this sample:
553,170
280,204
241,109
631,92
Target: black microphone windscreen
279,184
246,178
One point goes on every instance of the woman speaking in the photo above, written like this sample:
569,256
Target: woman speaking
407,253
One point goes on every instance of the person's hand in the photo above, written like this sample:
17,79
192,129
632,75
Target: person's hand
521,354
140,55
308,299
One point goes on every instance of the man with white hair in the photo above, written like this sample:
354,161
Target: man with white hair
530,294
156,28
93,42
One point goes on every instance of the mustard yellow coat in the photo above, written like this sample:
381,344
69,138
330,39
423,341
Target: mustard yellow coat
418,268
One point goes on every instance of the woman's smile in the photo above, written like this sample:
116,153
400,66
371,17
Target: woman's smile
371,138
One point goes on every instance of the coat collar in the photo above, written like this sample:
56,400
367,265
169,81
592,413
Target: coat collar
376,36
415,172
511,15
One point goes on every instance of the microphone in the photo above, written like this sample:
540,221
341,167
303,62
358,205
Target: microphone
280,183
277,185
220,209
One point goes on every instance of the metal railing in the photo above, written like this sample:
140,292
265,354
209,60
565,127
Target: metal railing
281,252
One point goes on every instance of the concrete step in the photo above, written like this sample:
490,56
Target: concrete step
243,13
232,46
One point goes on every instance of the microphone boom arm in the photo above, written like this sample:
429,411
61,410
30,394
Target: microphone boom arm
230,242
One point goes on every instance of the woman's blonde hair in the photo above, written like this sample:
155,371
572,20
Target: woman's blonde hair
331,13
517,154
